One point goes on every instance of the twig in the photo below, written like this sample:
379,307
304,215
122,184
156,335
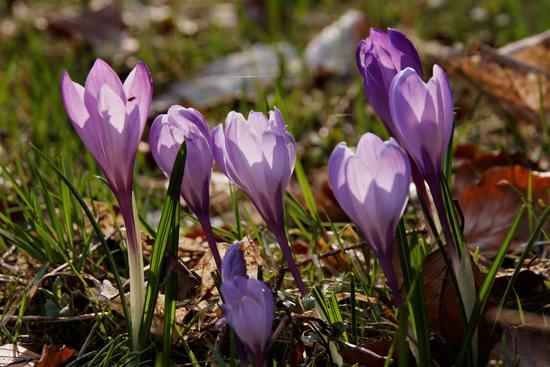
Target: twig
5,255
88,339
53,319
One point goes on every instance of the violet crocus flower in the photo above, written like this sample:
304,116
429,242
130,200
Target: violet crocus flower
379,58
233,263
423,115
166,136
109,116
372,187
249,309
258,155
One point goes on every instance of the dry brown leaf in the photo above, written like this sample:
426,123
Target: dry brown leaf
206,266
489,207
527,338
443,309
515,75
472,161
372,353
53,356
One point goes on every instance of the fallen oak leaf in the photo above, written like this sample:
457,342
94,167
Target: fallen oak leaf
473,161
489,207
515,75
53,356
527,337
443,310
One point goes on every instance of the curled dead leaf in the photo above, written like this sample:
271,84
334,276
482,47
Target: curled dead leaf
472,161
515,75
53,356
527,338
489,207
206,266
443,309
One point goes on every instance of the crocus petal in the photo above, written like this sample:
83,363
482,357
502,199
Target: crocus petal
73,99
100,74
423,116
369,146
379,58
233,263
337,179
116,136
138,89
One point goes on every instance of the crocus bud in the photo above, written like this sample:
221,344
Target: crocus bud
423,116
372,187
379,58
258,155
109,117
233,263
249,309
166,136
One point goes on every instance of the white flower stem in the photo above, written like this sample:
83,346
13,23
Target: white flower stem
135,264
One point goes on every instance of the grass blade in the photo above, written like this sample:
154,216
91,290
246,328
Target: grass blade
98,232
486,287
167,234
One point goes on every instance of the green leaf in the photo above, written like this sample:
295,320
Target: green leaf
167,238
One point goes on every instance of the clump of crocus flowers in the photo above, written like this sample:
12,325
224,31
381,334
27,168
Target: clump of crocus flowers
258,154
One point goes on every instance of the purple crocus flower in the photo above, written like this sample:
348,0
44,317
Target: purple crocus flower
166,136
249,309
423,115
372,187
379,58
258,155
233,263
109,116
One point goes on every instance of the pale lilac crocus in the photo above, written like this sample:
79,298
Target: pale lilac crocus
379,58
372,187
249,309
109,116
258,155
166,136
423,115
